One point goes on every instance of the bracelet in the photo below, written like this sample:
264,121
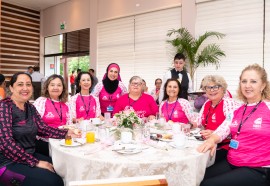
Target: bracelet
191,125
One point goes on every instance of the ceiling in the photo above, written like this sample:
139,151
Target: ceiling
36,4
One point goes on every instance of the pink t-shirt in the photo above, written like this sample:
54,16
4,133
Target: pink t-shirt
85,107
178,111
254,148
107,99
144,106
51,112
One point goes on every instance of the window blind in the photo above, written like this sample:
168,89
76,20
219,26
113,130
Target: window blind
138,44
267,38
242,22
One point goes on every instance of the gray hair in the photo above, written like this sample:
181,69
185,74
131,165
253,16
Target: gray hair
219,80
135,78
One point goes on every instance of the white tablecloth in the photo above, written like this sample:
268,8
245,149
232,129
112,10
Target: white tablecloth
185,167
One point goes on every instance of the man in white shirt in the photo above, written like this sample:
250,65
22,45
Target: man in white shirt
180,74
37,79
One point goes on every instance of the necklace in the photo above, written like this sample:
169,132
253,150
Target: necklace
170,115
58,112
89,104
130,105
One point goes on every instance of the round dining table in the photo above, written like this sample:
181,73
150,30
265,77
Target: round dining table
181,167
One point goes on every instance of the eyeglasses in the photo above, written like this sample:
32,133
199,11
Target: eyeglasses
158,82
210,88
135,84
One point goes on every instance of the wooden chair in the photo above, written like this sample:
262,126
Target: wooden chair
156,180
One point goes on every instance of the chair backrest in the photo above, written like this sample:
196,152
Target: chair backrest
156,180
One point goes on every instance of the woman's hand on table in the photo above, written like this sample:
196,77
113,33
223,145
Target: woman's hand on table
151,117
208,145
101,118
206,133
74,133
45,165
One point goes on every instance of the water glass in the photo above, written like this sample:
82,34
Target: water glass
138,134
186,129
146,131
107,116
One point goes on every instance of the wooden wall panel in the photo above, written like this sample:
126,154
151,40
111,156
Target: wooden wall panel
19,38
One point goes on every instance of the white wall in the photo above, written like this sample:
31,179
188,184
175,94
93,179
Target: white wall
80,14
75,13
109,9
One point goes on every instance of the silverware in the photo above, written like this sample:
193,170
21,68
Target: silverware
75,140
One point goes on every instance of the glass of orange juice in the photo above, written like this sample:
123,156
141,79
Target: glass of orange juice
90,137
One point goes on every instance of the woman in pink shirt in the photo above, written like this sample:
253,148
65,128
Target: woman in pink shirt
143,104
83,105
248,159
110,89
174,108
52,107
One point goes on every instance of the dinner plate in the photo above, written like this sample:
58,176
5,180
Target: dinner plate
129,151
74,143
174,146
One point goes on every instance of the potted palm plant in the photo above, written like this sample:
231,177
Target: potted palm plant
196,54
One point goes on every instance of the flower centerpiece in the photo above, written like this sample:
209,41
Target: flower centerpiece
127,119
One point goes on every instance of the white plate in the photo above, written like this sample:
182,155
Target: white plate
74,144
135,151
164,139
174,146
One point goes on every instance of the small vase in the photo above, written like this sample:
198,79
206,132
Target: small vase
126,136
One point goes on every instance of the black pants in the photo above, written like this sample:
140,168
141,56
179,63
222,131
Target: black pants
36,176
221,155
225,174
42,147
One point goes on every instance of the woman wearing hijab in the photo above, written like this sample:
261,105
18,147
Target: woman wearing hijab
110,89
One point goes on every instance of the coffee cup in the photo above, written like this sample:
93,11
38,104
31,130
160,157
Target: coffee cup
96,121
84,124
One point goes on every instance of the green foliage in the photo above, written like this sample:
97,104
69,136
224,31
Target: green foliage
79,62
192,48
127,119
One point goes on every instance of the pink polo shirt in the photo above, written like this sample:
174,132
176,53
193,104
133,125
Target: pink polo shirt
254,148
107,99
178,111
51,113
144,106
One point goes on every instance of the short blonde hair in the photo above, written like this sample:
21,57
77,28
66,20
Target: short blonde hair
263,75
219,80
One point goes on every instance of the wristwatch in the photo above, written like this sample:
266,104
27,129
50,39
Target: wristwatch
191,125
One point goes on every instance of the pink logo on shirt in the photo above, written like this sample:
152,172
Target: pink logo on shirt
104,98
81,108
214,118
257,123
49,115
234,124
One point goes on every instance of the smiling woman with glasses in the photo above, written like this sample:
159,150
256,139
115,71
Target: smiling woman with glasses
215,109
144,104
248,160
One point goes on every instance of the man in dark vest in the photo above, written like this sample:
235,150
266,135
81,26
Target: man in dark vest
180,74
